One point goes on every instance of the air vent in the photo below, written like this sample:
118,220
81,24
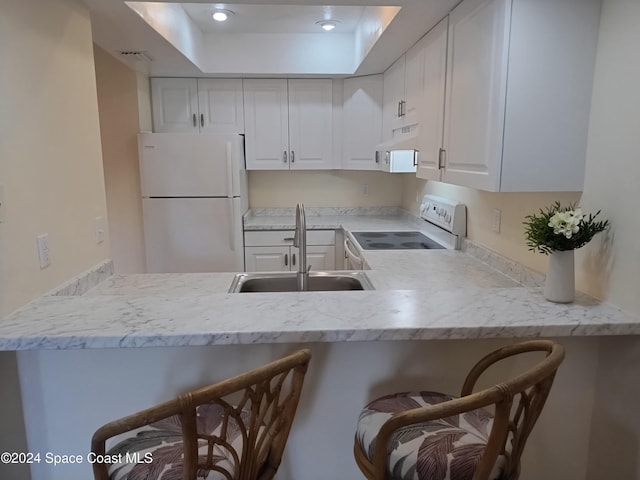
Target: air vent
137,56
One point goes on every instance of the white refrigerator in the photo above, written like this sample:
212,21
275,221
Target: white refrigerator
194,193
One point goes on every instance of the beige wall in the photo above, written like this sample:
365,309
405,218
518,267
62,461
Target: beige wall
513,208
324,188
50,168
50,158
117,87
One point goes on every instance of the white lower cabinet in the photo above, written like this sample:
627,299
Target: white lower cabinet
273,251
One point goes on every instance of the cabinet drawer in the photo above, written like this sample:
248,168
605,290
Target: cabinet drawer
285,237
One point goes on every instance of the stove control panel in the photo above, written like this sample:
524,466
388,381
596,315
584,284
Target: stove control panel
445,213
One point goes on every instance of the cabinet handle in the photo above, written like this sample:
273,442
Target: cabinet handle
286,259
293,156
293,259
415,158
400,108
403,108
195,122
377,156
442,158
202,119
288,239
284,156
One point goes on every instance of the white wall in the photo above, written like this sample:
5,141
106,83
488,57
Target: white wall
613,184
612,180
117,87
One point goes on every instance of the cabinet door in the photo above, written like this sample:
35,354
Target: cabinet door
476,86
266,124
431,113
174,105
362,114
220,105
320,258
267,259
393,94
311,124
413,73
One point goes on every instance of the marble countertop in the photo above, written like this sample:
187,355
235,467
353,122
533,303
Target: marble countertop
437,294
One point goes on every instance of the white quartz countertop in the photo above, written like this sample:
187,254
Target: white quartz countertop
420,295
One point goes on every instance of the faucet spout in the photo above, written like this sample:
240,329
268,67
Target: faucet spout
300,241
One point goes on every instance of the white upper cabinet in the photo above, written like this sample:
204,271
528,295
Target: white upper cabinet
221,105
288,124
197,105
402,88
362,118
266,109
431,114
393,96
175,104
519,80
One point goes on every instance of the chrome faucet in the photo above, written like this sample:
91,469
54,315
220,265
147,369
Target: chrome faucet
300,241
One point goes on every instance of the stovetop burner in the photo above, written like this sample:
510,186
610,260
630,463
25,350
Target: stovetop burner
395,241
373,234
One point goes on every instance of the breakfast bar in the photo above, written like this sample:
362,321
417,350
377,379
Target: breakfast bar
82,351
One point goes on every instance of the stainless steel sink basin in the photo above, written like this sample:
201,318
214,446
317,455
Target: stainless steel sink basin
286,282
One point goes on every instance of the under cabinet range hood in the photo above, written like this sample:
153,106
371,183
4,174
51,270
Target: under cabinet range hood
400,154
397,161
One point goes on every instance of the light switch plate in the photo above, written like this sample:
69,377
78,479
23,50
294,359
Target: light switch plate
3,207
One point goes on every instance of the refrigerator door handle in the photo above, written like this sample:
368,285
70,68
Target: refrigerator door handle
229,170
232,225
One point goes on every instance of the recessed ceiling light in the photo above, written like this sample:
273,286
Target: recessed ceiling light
220,15
328,25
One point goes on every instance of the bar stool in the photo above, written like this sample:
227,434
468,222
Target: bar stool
431,435
231,430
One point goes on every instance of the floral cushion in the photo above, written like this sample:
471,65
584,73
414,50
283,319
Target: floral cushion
443,449
154,452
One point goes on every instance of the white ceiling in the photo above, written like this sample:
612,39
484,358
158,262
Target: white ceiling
273,18
280,40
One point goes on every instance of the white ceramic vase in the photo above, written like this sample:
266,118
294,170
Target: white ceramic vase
560,286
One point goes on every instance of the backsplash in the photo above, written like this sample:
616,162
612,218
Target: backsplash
512,269
80,284
326,211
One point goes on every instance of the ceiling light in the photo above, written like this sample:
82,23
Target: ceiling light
327,25
220,15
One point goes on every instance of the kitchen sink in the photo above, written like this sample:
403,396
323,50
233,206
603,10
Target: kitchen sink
286,282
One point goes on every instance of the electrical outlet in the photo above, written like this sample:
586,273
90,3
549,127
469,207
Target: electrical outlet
44,254
365,190
497,218
99,229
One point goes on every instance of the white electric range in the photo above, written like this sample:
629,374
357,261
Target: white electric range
443,225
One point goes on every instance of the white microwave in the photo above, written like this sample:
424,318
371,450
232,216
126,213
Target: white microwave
397,161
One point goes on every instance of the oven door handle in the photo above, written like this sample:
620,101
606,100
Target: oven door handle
354,260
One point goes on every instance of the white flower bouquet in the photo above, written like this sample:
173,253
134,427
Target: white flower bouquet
557,228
